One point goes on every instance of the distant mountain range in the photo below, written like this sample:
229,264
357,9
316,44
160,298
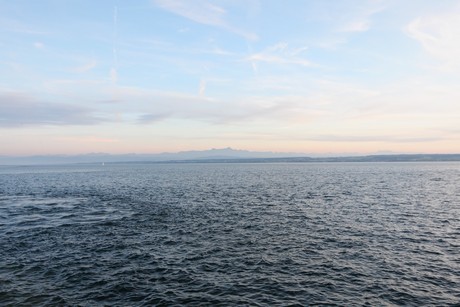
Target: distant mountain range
212,154
224,155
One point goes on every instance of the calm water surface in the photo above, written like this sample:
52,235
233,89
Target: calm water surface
230,234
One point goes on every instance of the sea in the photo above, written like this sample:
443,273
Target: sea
230,234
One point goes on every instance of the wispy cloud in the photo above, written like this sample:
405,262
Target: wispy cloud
356,26
151,118
360,18
346,16
374,138
269,58
16,26
279,54
86,66
204,12
17,110
157,105
39,45
199,11
439,35
87,139
68,87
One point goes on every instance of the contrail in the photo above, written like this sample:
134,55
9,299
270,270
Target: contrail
113,71
202,88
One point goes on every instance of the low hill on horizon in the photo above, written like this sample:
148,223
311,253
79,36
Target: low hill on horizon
211,154
224,155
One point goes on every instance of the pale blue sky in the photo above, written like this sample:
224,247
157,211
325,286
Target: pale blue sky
300,76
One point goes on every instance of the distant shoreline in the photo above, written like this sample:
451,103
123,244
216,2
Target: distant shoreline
48,160
369,158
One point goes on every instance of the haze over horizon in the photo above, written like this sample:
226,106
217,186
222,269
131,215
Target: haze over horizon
218,151
154,76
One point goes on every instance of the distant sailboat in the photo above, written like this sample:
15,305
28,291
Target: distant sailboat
103,163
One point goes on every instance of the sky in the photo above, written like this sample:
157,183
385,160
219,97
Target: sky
306,76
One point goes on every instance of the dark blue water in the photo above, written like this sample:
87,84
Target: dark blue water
230,234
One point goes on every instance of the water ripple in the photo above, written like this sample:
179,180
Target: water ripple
220,234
